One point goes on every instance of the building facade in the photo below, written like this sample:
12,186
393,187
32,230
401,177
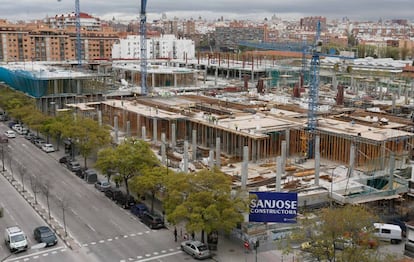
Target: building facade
164,46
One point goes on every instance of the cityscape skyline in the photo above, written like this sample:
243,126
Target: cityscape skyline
124,10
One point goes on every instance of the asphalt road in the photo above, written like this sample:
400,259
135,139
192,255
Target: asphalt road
103,230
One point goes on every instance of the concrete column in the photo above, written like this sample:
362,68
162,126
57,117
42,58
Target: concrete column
412,171
351,159
254,151
78,87
194,145
153,80
154,130
317,159
185,157
173,135
240,74
287,138
382,157
128,129
138,125
211,159
100,117
205,75
218,152
116,129
283,156
163,151
144,133
392,167
55,86
279,173
245,166
175,80
252,76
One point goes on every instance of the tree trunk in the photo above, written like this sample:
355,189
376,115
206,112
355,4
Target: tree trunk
152,201
84,158
202,236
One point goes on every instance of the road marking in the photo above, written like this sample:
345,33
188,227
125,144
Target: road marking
109,239
132,235
163,251
93,243
155,253
93,229
160,256
101,241
36,254
147,255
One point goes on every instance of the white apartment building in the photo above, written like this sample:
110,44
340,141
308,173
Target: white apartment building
164,46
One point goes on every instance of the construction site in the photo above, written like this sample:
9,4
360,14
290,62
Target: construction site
334,129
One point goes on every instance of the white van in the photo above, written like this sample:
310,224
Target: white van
15,239
389,232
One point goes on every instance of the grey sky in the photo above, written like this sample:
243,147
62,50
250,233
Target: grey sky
212,9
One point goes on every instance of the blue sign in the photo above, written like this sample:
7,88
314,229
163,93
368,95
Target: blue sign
273,207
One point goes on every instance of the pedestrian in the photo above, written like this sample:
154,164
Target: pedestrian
185,236
192,235
175,234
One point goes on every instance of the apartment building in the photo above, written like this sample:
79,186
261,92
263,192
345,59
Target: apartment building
41,42
164,46
229,37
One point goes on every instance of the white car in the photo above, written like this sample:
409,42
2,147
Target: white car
10,134
48,148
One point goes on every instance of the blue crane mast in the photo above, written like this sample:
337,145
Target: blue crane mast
314,90
143,45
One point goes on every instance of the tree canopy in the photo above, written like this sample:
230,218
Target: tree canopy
204,201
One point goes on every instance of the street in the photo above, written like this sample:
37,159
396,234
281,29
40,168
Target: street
102,230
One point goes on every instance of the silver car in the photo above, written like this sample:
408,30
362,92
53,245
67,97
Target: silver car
196,249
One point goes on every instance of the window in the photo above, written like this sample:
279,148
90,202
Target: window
385,231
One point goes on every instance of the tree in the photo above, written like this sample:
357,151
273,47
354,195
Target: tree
129,158
203,200
87,135
106,161
152,180
348,229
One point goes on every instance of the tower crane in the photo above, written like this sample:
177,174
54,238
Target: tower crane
143,44
314,89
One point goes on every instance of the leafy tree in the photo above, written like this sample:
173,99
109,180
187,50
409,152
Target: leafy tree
204,201
130,159
348,228
152,180
87,135
106,161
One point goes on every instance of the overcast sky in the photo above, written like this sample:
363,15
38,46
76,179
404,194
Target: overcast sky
361,10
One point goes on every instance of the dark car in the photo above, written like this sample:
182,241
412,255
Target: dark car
64,159
153,221
73,166
120,198
139,209
44,234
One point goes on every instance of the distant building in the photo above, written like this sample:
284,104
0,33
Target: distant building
229,37
65,21
310,23
40,42
165,46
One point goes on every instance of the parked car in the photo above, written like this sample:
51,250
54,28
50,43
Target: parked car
39,142
90,176
120,198
30,136
73,165
153,221
12,123
196,249
10,134
139,209
48,148
44,234
64,159
102,185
